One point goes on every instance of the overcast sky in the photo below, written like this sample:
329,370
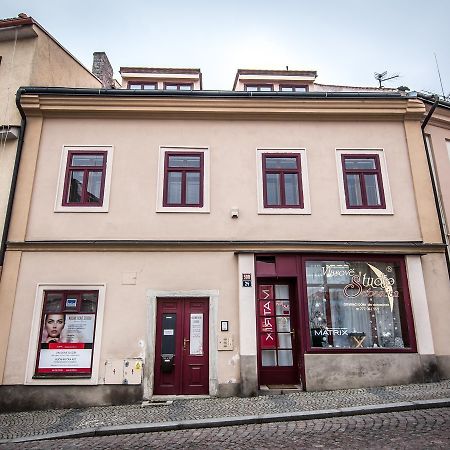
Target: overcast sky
346,41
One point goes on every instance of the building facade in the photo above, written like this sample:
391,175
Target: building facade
219,243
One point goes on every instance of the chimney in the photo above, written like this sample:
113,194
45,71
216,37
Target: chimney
101,68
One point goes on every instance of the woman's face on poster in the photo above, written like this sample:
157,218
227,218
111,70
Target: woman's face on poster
54,323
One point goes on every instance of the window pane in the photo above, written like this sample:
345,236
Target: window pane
283,307
87,160
281,163
291,193
354,190
94,187
185,87
174,188
184,161
169,322
281,292
284,340
286,89
171,87
283,324
192,188
363,307
149,86
75,186
268,358
134,86
372,190
273,189
251,88
265,88
53,302
88,303
285,358
299,89
360,163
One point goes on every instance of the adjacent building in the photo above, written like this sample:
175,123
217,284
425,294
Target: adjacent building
186,242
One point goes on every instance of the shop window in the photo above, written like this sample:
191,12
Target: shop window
259,87
363,182
358,305
183,184
85,178
178,86
67,334
282,182
142,86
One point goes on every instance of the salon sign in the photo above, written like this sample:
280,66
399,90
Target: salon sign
66,344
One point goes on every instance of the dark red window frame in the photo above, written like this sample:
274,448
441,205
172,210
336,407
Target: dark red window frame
282,173
86,169
178,85
184,171
361,173
258,87
66,310
141,84
293,87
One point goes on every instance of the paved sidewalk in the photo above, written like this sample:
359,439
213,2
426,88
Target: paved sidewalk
209,412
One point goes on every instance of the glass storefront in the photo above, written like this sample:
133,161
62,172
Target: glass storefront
356,304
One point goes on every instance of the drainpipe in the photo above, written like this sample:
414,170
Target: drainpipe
437,197
13,180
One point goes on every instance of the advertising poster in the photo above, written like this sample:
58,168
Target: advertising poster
66,344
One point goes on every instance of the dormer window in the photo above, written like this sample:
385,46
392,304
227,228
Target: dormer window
293,88
178,86
259,87
143,86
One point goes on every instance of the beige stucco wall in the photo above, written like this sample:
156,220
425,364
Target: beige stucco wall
53,66
7,157
440,142
438,295
125,321
15,71
233,181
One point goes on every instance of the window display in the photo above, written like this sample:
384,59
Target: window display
357,305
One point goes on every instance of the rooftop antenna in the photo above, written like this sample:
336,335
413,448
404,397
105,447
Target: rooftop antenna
382,77
439,73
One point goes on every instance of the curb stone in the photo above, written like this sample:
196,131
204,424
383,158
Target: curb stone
233,421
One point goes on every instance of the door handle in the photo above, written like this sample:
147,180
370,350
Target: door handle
185,341
293,335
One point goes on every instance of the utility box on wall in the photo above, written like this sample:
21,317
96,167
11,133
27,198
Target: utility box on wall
123,371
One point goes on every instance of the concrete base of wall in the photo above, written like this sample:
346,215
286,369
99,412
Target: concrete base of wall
26,398
443,362
229,390
249,376
347,371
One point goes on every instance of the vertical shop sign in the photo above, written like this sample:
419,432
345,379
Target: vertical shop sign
196,334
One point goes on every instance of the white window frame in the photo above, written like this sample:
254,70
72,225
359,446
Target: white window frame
388,210
36,328
304,180
59,207
206,180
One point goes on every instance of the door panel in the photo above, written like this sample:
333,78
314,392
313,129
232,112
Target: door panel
277,329
181,362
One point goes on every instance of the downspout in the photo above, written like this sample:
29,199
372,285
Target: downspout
436,193
13,180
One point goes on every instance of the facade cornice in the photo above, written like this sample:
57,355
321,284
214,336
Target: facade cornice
404,248
222,106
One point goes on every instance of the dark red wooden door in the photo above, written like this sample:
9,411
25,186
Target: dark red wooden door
277,334
182,346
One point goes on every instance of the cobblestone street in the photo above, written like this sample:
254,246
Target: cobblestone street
423,429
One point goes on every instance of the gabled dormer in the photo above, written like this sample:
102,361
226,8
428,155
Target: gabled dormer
153,78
